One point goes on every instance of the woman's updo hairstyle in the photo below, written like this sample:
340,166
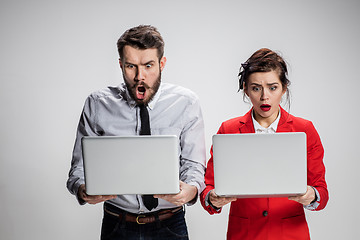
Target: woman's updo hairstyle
264,60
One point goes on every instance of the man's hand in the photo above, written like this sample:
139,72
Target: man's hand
305,199
219,202
93,199
186,194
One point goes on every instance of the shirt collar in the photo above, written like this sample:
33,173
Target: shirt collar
260,129
155,99
151,104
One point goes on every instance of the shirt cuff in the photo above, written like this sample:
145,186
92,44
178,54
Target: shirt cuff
314,204
76,191
208,203
193,201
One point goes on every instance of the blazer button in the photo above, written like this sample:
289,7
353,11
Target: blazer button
265,213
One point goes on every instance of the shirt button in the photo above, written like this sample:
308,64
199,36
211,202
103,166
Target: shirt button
265,213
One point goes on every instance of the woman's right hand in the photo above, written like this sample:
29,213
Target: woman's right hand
218,201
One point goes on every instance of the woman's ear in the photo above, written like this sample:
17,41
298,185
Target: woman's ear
245,90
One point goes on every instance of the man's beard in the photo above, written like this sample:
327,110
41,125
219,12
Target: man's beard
150,91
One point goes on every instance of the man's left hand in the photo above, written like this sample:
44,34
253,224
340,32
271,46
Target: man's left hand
186,194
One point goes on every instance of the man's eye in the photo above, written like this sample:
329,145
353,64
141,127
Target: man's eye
256,89
130,66
148,65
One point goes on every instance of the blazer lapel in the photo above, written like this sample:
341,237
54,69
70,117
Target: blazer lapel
246,123
285,123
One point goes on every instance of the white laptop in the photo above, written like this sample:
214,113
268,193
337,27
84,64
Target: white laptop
131,165
260,165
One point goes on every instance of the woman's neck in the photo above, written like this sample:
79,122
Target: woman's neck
266,121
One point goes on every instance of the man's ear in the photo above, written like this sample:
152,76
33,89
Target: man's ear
120,63
162,63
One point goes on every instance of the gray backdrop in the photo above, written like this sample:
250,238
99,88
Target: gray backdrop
54,53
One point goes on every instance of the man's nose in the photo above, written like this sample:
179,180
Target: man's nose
140,74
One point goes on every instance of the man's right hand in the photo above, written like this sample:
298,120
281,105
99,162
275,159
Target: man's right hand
93,199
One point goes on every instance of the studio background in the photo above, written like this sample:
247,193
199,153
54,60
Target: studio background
53,54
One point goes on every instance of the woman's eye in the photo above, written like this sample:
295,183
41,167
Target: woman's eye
273,88
256,89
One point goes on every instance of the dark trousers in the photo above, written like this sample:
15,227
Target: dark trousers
114,228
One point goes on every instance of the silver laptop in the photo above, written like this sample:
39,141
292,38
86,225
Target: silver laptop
260,165
131,165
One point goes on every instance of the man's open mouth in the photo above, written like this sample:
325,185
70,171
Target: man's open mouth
140,92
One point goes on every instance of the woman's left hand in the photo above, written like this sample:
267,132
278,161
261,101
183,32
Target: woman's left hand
305,199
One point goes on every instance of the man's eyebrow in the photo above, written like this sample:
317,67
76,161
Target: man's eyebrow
151,61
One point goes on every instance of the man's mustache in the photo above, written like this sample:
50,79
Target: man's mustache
142,83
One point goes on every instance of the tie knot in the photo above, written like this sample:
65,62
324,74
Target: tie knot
141,106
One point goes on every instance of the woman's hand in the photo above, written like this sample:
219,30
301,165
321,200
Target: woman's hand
219,202
307,198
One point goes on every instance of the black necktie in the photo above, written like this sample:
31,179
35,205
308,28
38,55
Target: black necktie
149,201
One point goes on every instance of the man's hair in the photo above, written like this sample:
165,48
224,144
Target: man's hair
141,37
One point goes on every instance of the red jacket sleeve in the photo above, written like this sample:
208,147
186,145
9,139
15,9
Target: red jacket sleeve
315,165
209,181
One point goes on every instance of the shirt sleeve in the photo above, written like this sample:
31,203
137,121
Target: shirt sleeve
86,127
192,141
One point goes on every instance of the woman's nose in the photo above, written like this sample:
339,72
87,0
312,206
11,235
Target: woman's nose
264,94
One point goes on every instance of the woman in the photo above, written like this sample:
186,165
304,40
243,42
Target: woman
263,79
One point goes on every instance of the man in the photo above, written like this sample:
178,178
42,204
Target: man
172,110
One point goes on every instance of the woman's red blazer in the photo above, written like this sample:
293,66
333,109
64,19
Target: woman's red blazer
272,218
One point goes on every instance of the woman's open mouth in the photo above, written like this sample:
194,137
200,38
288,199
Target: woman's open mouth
265,107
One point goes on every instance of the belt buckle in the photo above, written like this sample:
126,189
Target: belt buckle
137,219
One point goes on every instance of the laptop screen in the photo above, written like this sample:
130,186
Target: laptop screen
260,165
131,165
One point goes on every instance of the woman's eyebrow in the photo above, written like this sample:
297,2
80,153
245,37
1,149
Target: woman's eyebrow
275,83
